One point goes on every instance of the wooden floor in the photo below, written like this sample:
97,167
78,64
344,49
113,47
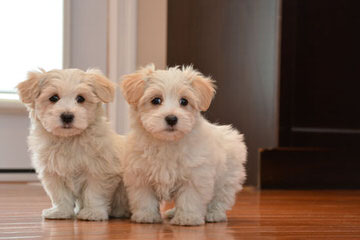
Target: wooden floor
257,215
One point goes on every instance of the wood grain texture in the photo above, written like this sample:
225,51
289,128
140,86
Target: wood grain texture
257,215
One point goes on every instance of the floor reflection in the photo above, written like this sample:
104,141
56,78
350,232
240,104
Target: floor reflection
124,229
167,231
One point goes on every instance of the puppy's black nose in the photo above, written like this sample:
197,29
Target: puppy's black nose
171,120
67,117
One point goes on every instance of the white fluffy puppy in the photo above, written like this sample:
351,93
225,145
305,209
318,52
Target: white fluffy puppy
175,153
74,151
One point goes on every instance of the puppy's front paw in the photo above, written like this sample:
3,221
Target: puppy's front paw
216,216
57,213
170,213
146,217
187,219
93,214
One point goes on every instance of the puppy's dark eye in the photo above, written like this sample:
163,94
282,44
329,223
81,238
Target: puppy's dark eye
183,102
54,98
156,101
80,99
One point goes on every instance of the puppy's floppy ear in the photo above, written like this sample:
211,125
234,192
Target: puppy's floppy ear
103,87
29,89
133,85
205,89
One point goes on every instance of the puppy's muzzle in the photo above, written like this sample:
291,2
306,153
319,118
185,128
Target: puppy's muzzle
67,118
171,120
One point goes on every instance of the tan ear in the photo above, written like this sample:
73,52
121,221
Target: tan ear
205,89
103,87
133,87
29,89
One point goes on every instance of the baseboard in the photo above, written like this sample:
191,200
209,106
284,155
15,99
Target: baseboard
17,170
309,168
18,175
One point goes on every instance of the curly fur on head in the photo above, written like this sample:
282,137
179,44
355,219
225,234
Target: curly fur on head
172,152
75,152
170,86
66,86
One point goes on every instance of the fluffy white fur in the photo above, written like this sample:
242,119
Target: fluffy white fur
198,164
78,163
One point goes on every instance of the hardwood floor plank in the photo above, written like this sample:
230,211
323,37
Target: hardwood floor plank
267,214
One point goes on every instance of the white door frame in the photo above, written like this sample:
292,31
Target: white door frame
121,55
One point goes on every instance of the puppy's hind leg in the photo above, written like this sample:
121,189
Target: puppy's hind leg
223,200
225,191
231,180
61,197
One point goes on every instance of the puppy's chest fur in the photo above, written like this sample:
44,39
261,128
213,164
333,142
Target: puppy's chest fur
163,169
64,158
69,157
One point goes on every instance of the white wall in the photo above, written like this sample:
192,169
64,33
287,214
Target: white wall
13,134
88,34
121,55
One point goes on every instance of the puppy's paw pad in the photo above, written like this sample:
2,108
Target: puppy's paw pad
170,213
216,216
146,217
187,219
93,214
57,213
